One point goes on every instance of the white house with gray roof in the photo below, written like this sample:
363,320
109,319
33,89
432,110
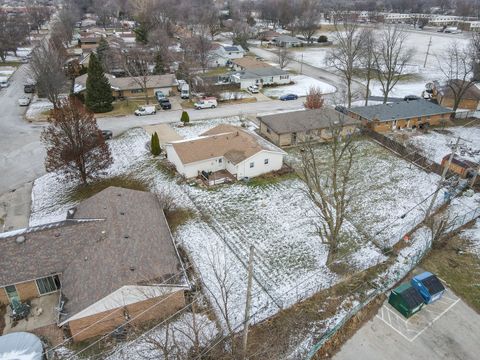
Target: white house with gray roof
222,55
260,76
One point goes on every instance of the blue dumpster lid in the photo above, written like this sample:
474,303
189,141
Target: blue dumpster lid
432,284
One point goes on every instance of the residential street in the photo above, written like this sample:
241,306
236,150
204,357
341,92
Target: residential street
317,73
22,154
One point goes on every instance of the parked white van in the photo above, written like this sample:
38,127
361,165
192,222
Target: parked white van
206,103
145,110
185,91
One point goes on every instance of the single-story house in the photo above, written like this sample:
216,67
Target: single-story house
402,114
292,128
130,87
260,76
444,94
111,259
286,41
225,147
248,63
222,55
268,35
89,41
463,167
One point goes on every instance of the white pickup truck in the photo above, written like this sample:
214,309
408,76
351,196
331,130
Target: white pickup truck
145,110
206,103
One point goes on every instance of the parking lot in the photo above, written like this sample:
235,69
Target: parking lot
446,329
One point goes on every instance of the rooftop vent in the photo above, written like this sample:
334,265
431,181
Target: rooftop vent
122,213
20,239
132,268
126,237
71,212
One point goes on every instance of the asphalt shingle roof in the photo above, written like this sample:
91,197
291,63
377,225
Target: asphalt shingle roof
399,110
297,121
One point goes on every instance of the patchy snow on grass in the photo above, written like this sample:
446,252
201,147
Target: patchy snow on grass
300,88
312,56
37,107
473,237
436,144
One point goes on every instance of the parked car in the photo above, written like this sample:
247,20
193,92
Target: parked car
341,109
160,95
206,103
29,88
180,84
288,97
4,83
107,134
145,110
24,100
411,97
185,91
165,104
253,89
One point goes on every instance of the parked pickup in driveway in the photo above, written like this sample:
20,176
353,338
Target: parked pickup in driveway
145,110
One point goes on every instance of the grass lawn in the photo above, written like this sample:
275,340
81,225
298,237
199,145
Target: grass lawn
10,63
461,270
84,192
122,108
215,72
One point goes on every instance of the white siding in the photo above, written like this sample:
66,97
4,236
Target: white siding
275,162
192,170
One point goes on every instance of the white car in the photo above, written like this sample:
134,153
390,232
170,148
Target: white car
253,89
24,101
206,103
145,110
4,83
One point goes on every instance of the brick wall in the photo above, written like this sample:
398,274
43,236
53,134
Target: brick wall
169,306
3,297
27,290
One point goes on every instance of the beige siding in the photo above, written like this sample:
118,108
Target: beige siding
158,309
3,297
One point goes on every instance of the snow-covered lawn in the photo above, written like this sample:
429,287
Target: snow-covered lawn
37,107
436,144
473,236
7,71
276,218
301,87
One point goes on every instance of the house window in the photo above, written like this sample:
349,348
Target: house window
48,284
283,77
11,291
220,160
265,161
136,91
252,164
269,131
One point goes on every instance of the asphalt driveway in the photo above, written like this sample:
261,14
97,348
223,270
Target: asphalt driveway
448,329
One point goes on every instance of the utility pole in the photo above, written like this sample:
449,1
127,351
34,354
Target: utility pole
428,50
444,174
301,65
248,302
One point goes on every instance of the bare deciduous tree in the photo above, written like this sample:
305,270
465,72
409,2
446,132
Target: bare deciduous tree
328,186
367,59
391,58
283,56
136,63
47,68
314,99
13,31
346,54
75,145
458,68
307,22
202,49
37,16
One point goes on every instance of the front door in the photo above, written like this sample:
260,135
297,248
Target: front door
12,294
294,138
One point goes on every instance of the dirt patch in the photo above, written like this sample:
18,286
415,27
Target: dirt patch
178,217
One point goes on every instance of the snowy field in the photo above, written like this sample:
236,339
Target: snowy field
37,107
436,144
300,88
290,261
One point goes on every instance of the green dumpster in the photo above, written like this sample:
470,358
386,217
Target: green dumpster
406,299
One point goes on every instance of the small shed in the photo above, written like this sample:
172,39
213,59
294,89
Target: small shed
429,286
406,299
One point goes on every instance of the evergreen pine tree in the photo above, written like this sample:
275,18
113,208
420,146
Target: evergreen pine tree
99,94
185,119
141,34
102,51
155,145
159,68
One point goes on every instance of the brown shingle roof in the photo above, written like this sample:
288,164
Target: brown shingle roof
298,121
230,141
249,62
96,258
128,83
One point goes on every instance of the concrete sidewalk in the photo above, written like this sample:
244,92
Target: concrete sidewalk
15,208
